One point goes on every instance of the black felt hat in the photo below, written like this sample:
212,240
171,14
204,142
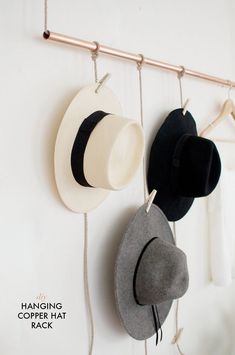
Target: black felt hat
182,165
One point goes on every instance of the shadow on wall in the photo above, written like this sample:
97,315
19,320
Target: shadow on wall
217,338
229,322
220,340
49,140
105,280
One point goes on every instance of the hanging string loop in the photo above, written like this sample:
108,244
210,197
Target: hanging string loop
178,331
94,55
184,105
141,62
180,75
95,52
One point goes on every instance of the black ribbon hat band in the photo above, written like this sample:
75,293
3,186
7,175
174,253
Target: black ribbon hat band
80,143
156,319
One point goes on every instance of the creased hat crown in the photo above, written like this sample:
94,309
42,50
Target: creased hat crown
162,274
196,166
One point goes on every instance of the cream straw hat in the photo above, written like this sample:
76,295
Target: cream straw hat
97,150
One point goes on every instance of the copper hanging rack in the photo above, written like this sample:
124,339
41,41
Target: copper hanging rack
92,46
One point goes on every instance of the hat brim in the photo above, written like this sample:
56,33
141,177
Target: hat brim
160,163
76,197
138,320
174,205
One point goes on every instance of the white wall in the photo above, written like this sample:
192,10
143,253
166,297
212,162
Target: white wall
41,242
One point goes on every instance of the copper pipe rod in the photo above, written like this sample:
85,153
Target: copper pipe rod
58,37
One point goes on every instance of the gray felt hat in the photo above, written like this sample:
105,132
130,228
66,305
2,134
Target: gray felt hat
150,272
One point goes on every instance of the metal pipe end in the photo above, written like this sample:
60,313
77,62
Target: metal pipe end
46,34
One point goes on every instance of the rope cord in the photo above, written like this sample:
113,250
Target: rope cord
86,284
178,331
139,68
45,15
85,251
94,56
180,75
85,254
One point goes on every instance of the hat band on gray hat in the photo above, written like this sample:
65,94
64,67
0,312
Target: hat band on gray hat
80,143
136,270
157,323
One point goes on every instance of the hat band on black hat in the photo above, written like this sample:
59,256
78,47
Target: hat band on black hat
79,146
